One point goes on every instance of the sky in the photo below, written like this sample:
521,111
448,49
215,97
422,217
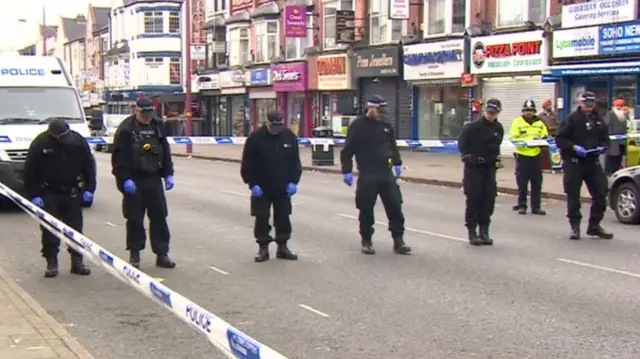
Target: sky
16,34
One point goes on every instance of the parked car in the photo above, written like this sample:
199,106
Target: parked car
624,195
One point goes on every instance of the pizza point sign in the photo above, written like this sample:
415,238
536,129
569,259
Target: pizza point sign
517,52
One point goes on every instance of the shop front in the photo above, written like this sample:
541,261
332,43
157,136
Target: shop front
234,100
440,103
377,71
261,95
598,59
290,85
509,68
209,102
338,101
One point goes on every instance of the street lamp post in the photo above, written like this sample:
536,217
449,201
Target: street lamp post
43,30
187,105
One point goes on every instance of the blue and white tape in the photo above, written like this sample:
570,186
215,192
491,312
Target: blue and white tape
230,341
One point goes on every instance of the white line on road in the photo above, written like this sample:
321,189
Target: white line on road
219,270
415,230
235,193
111,224
593,266
314,310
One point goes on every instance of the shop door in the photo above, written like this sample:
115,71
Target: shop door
599,88
398,97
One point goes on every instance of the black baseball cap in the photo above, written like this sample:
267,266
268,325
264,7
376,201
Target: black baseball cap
274,118
60,130
493,105
146,107
588,96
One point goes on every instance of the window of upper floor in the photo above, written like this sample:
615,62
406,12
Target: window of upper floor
295,46
238,44
174,22
153,22
220,5
446,17
331,7
517,12
267,40
383,30
175,71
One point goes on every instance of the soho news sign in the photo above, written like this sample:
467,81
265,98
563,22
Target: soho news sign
598,13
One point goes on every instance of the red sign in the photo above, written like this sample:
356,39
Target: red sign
525,48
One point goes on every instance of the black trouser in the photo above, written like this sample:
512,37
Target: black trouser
261,210
529,170
66,208
367,191
614,163
480,187
149,198
589,171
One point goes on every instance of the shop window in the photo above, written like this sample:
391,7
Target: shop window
295,46
626,88
445,17
153,22
263,107
295,111
153,70
329,29
516,13
175,77
443,112
174,22
382,29
238,43
239,115
267,41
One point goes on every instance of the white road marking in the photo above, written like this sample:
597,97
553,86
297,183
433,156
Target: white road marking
219,270
235,193
314,310
35,348
111,224
415,230
593,266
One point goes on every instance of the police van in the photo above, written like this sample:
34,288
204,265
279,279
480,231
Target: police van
34,90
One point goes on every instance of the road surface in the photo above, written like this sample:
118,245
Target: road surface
534,294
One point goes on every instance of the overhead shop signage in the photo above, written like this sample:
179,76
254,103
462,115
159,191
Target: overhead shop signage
260,77
599,12
334,73
576,42
436,60
233,78
623,39
376,61
517,52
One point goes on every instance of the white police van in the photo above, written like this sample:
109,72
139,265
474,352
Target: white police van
34,90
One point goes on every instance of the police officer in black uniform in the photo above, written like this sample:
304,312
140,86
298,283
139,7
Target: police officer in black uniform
57,161
583,136
372,140
141,158
271,168
479,146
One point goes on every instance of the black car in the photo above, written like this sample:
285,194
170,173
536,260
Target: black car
624,195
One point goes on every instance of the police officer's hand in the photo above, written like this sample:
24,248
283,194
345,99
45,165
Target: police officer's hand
398,171
169,183
87,197
291,189
348,179
256,191
580,151
129,187
601,149
38,201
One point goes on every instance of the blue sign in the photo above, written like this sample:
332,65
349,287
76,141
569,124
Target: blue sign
579,70
436,57
622,39
259,77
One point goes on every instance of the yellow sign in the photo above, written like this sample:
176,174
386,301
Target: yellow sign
334,73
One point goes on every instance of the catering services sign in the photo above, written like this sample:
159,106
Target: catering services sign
598,12
576,42
435,60
518,52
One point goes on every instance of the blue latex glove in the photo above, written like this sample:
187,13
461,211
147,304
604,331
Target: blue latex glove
348,179
291,189
397,170
256,191
87,197
601,149
580,151
129,187
169,183
38,201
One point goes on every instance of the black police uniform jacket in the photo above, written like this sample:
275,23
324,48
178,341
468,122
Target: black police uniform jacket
480,141
53,167
589,131
373,142
271,161
140,150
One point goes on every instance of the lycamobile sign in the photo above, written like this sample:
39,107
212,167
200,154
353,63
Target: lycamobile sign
576,42
582,42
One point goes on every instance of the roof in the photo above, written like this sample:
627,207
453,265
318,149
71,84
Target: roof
50,31
100,17
74,29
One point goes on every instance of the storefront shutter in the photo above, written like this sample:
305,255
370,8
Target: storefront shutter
513,92
398,96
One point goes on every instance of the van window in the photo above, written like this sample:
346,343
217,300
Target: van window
28,105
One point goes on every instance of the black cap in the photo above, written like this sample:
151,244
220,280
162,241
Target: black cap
59,129
146,106
376,101
493,104
529,105
274,118
588,96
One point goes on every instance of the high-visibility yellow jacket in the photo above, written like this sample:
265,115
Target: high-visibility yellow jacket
521,130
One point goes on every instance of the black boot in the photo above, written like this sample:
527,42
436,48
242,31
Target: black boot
163,261
134,259
539,212
484,236
52,268
575,232
263,254
522,210
367,247
283,252
473,238
399,246
599,232
78,266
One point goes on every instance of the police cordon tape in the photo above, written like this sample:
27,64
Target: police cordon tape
230,341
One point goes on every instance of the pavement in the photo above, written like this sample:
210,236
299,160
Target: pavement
434,168
534,294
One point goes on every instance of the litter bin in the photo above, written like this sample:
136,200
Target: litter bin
322,151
